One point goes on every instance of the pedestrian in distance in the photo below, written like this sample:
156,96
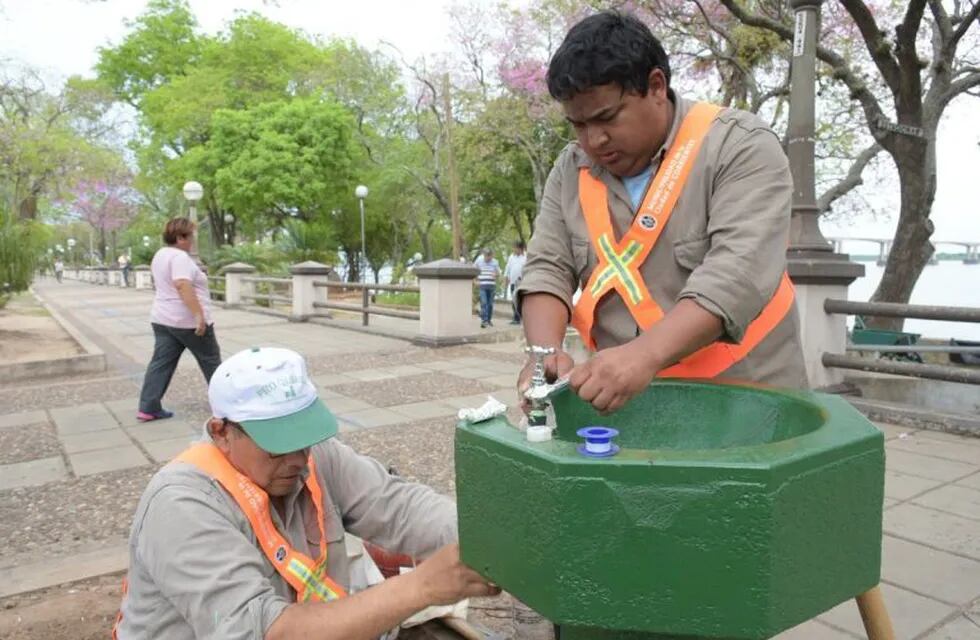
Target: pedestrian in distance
487,281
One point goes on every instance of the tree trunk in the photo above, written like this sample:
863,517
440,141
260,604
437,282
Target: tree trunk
102,245
28,208
353,261
424,238
911,248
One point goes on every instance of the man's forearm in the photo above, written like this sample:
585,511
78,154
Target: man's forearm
545,319
365,615
187,295
686,328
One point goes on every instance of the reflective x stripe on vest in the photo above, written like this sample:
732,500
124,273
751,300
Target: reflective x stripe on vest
619,262
307,577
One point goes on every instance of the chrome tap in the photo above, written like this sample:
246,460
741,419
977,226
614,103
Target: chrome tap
537,392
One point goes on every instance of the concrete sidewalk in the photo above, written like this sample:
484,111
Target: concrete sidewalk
73,460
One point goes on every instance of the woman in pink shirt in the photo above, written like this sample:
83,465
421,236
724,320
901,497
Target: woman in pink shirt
181,318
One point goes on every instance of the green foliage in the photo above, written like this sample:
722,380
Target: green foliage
48,140
21,247
148,225
161,46
282,158
302,241
262,256
756,48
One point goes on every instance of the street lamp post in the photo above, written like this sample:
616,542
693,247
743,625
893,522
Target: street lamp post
193,191
71,250
361,192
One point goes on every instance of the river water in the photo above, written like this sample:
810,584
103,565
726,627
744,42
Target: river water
947,283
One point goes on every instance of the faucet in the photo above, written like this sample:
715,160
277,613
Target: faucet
539,400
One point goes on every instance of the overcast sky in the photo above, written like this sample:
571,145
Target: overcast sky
60,37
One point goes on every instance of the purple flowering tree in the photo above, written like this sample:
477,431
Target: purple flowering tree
107,204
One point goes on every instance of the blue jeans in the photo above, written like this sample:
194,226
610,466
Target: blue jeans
486,302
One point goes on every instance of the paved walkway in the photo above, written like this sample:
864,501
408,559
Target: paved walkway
73,460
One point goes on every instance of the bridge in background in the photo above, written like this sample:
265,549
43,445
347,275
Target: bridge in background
972,255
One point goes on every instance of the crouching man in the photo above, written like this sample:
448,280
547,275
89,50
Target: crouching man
243,537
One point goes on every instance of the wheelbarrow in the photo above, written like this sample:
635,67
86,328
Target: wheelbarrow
862,335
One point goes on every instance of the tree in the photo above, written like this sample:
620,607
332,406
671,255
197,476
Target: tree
893,67
106,205
281,159
180,79
507,52
48,140
162,45
21,244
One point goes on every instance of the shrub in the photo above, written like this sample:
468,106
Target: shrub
21,245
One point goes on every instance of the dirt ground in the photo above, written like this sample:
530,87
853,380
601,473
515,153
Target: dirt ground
86,610
79,611
28,333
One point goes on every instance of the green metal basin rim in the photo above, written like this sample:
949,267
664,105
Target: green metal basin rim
698,415
840,424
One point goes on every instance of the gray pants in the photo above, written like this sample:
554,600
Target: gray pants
170,344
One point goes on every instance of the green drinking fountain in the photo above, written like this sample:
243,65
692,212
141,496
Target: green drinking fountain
716,511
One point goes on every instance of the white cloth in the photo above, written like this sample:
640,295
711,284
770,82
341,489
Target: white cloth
514,269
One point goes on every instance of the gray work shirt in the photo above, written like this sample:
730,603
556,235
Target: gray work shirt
196,570
724,246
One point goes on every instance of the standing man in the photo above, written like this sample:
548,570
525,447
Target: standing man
59,269
124,267
513,271
487,279
673,219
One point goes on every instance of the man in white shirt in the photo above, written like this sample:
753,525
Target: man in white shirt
513,271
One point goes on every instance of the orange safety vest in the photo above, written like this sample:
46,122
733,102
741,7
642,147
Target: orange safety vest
619,262
307,577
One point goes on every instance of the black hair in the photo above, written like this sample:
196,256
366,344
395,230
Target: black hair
520,244
606,48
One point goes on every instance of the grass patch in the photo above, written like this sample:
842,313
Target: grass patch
401,298
23,304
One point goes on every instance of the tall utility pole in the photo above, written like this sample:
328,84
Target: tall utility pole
447,108
805,232
817,271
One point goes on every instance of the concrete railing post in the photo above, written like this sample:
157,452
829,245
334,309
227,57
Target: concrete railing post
446,288
234,286
142,276
305,292
821,332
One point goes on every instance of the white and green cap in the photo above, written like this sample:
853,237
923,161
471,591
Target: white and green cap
268,391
